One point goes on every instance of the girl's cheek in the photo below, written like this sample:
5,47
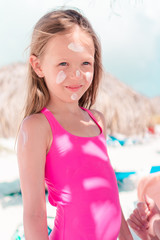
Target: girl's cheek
61,76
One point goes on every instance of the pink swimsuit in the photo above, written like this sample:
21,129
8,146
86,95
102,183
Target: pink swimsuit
82,185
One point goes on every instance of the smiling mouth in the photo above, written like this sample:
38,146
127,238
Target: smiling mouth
74,88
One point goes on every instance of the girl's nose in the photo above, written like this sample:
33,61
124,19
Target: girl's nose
78,74
75,74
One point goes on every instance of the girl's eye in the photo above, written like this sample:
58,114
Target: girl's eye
86,63
63,64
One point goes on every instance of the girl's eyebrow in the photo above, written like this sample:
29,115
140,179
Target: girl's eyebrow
60,59
68,58
90,57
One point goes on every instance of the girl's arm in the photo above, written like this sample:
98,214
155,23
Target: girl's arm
125,233
31,153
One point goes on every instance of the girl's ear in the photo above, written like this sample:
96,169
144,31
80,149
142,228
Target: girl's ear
35,63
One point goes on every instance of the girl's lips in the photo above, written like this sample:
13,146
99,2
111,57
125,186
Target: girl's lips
74,88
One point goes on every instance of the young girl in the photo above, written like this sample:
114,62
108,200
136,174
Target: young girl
63,143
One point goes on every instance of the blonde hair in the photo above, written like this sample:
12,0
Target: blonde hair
55,22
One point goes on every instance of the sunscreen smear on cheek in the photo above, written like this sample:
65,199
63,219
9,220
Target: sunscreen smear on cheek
89,76
75,47
61,76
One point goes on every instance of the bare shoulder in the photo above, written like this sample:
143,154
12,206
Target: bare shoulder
36,129
34,122
100,119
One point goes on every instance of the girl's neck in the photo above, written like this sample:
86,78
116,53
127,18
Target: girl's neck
64,107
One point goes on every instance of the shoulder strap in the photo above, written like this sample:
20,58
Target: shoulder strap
49,117
93,117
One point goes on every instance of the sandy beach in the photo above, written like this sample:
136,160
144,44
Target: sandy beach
139,156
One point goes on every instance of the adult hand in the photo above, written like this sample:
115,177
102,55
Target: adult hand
145,220
139,226
153,217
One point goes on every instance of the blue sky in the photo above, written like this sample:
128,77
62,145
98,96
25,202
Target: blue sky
129,31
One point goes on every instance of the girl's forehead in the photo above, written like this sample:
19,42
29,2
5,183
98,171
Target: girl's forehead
75,40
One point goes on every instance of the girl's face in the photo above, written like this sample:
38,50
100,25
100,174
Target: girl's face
68,65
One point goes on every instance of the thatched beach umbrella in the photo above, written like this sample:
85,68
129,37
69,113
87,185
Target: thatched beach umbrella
12,94
125,110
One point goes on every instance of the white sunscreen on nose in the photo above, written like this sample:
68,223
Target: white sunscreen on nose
78,73
60,77
74,96
75,47
88,77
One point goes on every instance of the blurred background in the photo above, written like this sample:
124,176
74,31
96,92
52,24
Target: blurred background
129,31
129,96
